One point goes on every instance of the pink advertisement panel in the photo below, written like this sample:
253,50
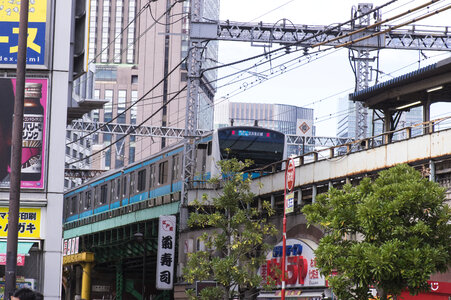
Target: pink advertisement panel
34,131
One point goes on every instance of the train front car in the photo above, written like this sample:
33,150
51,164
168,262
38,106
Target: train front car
262,146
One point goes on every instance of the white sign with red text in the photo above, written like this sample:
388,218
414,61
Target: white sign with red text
301,266
165,254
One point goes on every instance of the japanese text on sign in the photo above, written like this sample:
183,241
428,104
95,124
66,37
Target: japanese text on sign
165,255
29,222
301,268
9,32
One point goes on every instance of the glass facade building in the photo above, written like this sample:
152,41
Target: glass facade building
281,117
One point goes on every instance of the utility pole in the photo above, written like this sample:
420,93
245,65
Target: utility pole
16,155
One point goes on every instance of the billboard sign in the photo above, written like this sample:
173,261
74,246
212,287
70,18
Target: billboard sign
9,32
34,132
301,266
165,254
29,223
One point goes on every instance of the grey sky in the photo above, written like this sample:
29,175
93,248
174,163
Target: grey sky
328,78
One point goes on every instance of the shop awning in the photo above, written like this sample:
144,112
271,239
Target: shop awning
22,247
290,294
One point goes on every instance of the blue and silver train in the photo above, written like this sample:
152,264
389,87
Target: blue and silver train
158,179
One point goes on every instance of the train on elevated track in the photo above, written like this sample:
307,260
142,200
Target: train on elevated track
158,179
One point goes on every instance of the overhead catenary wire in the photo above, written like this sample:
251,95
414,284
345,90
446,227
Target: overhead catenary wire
233,95
134,40
273,51
137,101
128,133
246,59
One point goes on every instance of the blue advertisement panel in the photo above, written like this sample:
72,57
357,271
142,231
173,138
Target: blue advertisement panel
9,32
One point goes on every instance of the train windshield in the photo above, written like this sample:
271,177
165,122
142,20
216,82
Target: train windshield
263,146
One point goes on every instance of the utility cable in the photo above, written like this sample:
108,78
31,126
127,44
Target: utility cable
137,101
128,133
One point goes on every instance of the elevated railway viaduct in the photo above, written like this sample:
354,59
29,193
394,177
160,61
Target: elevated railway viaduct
118,255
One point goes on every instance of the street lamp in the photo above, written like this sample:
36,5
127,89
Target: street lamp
140,238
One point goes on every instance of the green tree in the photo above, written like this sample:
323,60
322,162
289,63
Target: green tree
234,237
391,233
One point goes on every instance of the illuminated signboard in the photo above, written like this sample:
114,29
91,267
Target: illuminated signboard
29,222
251,133
9,32
33,136
301,266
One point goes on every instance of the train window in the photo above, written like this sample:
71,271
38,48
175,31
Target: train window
175,167
103,194
163,172
67,205
96,194
118,188
152,176
124,186
132,182
142,180
88,199
112,189
73,205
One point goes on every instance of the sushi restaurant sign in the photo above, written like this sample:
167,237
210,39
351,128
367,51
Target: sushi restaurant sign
301,266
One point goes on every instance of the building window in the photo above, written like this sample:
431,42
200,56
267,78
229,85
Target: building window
92,30
105,30
121,99
108,107
134,109
106,73
131,32
118,31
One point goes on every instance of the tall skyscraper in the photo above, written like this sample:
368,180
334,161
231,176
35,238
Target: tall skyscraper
137,48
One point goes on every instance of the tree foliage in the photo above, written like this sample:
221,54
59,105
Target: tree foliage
234,236
391,233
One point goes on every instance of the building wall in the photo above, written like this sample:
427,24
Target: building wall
140,66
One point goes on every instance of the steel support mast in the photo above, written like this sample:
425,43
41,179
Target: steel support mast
192,104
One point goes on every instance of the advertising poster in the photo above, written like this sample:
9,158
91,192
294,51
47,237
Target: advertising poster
301,266
9,32
29,223
34,132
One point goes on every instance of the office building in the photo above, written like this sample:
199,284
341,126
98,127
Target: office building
134,46
288,119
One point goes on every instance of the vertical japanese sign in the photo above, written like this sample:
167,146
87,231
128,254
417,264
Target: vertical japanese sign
9,32
165,254
29,222
34,132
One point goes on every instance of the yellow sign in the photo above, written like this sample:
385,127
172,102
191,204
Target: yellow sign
9,12
29,222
